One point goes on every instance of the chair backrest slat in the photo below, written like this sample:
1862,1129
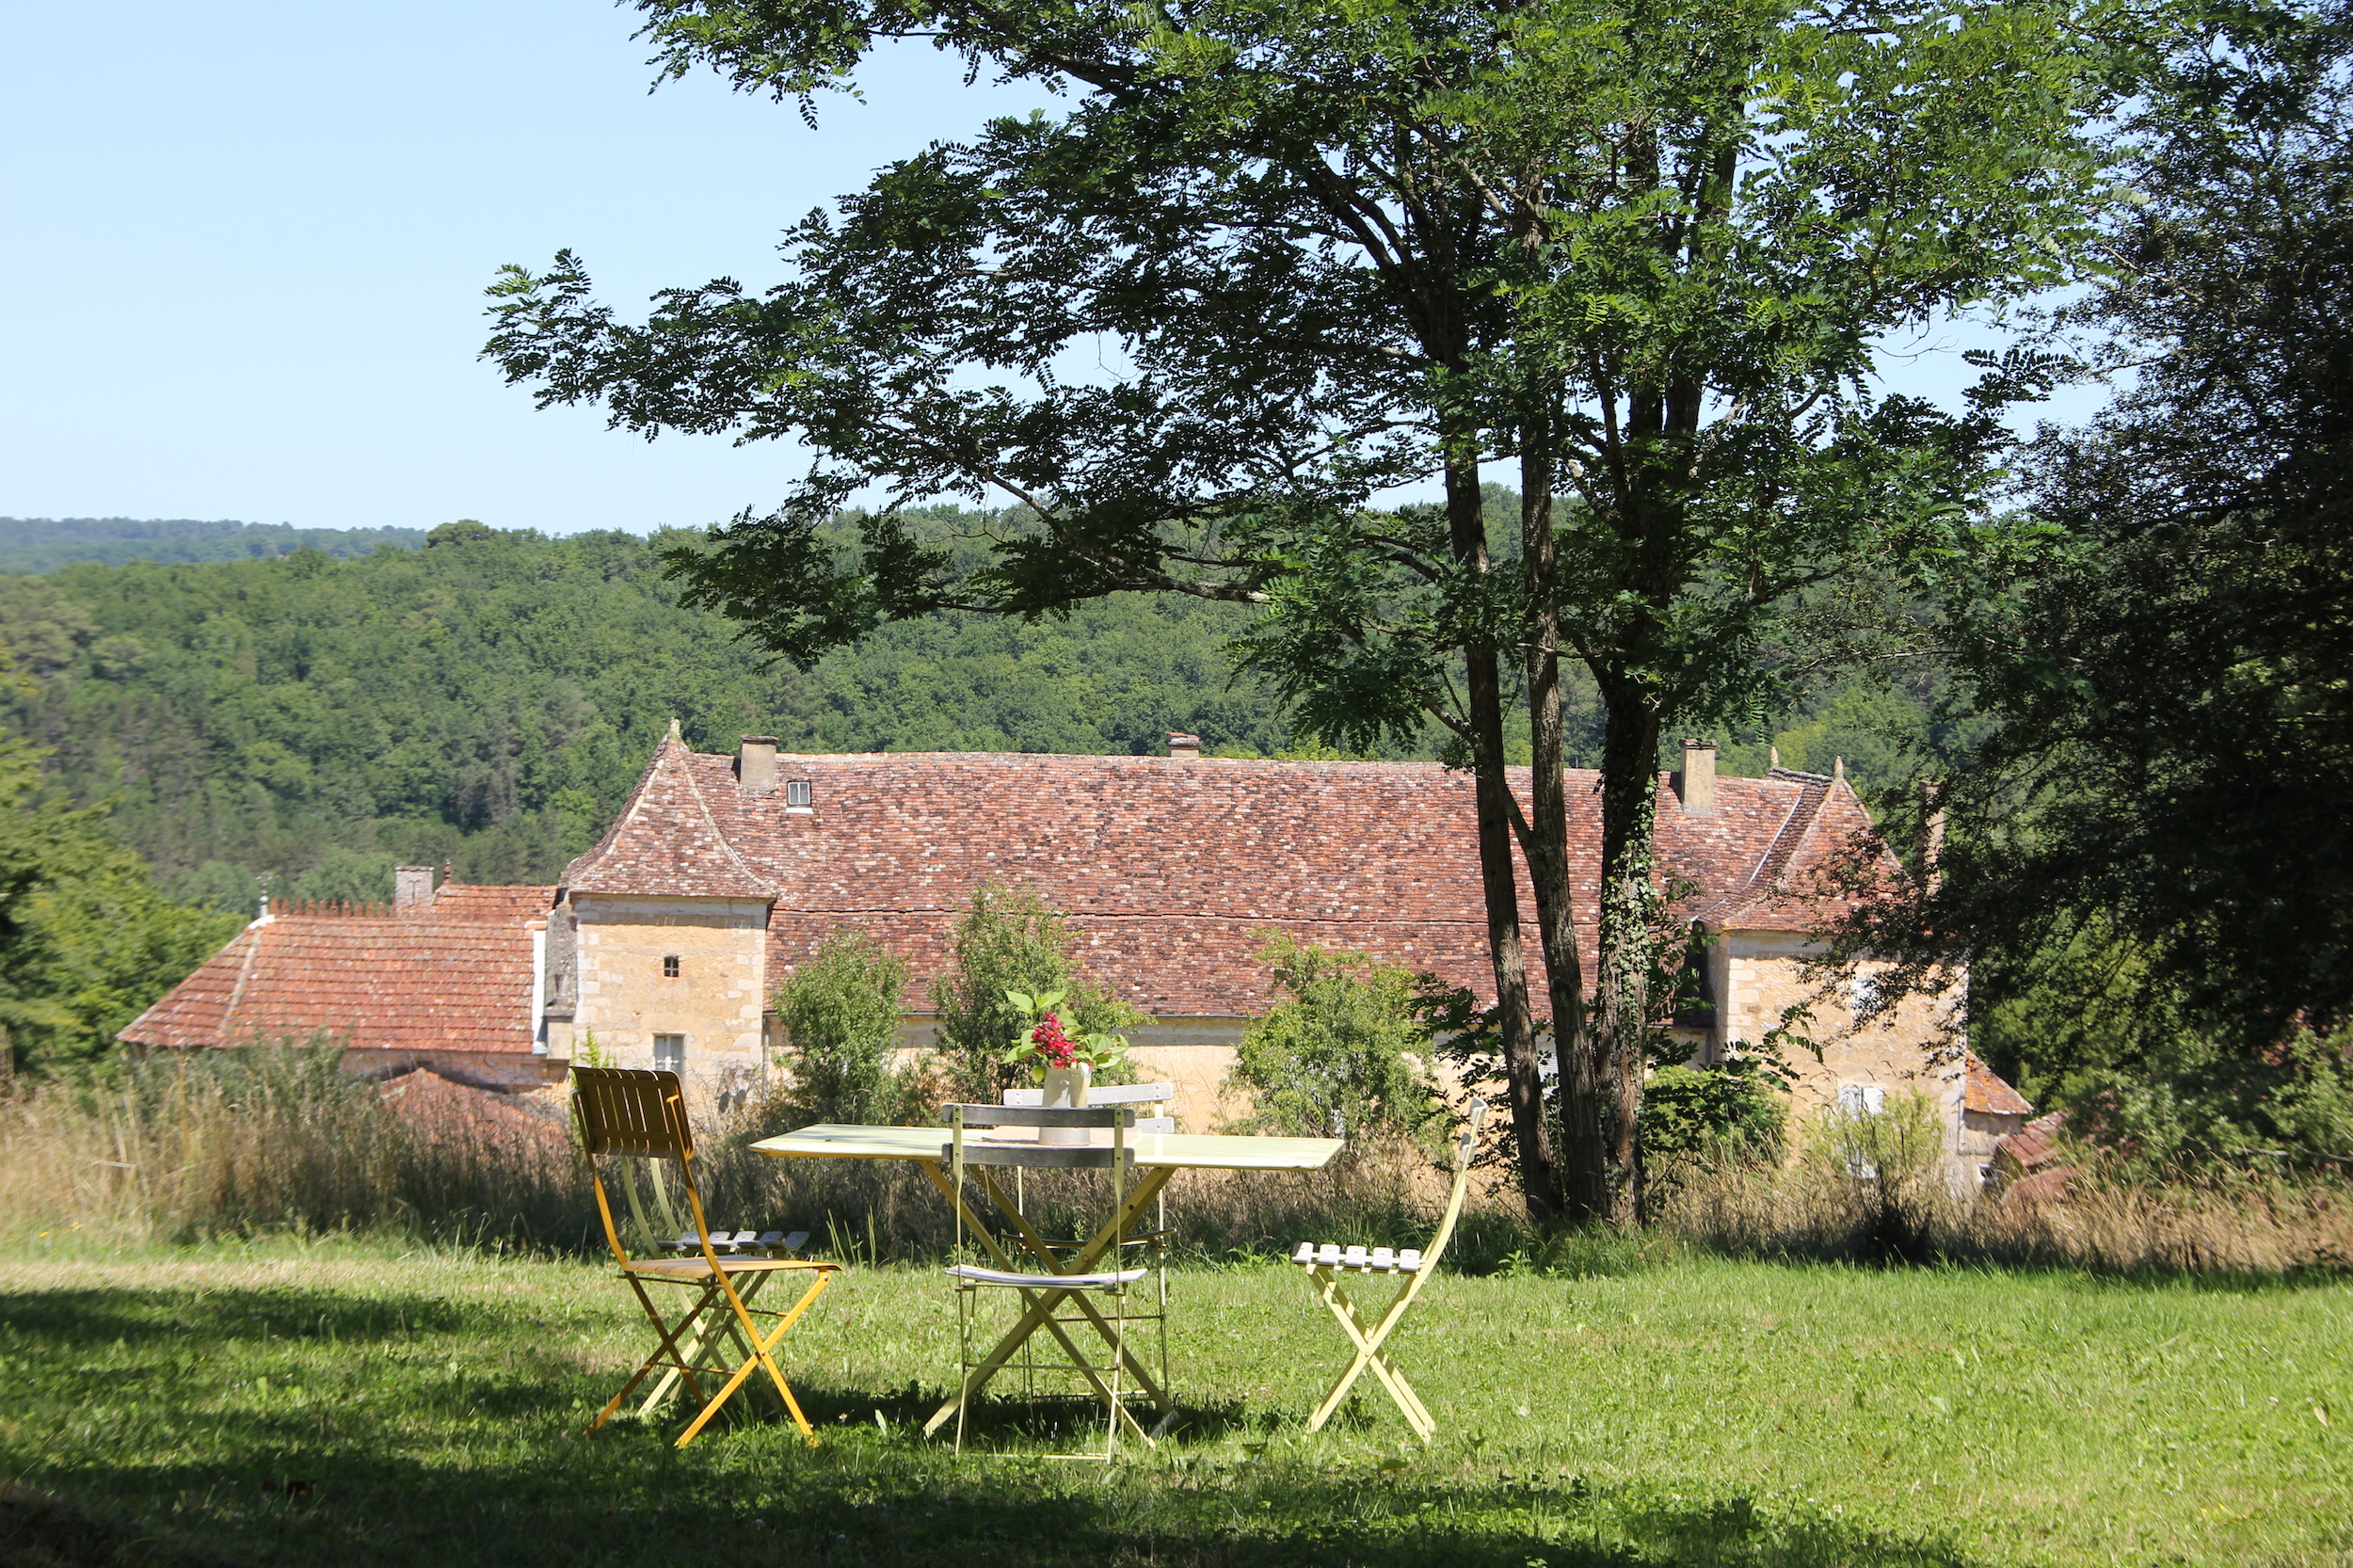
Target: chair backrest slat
1463,1144
1037,1115
626,1111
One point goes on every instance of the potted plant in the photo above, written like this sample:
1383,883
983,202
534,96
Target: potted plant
1062,1058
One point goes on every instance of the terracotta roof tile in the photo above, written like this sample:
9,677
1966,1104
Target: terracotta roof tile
440,1108
2033,1145
1989,1093
1166,866
665,840
455,976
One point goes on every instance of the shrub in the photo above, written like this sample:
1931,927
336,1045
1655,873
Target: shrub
1011,939
1735,1108
1347,1049
840,1014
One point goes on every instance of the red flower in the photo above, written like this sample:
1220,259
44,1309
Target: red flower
1052,1043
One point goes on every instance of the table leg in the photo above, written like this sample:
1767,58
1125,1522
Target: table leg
1041,1309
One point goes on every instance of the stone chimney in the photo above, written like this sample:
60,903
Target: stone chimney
1931,835
1699,775
412,890
756,765
1183,747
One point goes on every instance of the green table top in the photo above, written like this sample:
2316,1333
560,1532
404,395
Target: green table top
1193,1151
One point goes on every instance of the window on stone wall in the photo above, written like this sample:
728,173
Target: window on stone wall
670,967
669,1053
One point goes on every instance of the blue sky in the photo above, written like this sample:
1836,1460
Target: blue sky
246,244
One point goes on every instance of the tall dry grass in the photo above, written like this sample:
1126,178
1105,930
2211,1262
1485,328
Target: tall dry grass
2211,1223
180,1147
183,1148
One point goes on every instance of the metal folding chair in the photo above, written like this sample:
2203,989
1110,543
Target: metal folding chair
1325,1263
642,1116
1056,1283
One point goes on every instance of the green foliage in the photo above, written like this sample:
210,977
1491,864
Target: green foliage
1041,1014
841,1012
1344,1050
490,704
1010,942
1735,1108
2148,858
2193,1101
1896,1147
44,544
87,941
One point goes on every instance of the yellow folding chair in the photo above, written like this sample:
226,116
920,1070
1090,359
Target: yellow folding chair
642,1116
1325,1263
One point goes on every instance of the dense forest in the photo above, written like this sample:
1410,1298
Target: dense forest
44,544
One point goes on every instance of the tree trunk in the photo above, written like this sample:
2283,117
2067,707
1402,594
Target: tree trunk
1629,800
1579,1161
1515,1019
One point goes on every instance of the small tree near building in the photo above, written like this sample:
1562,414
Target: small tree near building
840,1012
1343,1054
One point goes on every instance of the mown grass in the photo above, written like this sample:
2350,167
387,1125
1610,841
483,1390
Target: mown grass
350,1401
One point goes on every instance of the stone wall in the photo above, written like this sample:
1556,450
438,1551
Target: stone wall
624,999
1902,1050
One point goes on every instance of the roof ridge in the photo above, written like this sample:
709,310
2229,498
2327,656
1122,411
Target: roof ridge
245,975
627,814
1784,847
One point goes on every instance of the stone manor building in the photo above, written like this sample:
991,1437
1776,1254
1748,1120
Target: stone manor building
665,942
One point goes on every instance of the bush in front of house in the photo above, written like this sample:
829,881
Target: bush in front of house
841,1015
1343,1051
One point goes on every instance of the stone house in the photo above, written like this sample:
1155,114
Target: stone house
665,942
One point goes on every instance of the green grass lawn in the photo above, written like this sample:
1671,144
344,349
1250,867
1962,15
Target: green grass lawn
347,1403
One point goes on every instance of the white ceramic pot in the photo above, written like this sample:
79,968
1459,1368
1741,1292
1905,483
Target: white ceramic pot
1066,1090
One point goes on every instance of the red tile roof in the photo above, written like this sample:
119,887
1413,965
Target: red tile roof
1167,867
1989,1093
440,1108
454,976
665,840
2034,1145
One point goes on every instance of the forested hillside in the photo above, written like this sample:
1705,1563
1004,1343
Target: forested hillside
44,544
489,701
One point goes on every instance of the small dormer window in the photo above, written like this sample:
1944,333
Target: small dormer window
670,967
797,792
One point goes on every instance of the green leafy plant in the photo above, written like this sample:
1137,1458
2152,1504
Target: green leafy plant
1012,940
1044,1039
841,1012
1345,1049
1736,1108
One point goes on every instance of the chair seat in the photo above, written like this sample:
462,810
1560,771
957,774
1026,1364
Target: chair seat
1359,1260
974,1274
695,1267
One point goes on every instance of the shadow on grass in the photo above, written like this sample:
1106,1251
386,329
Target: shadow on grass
97,1317
411,1464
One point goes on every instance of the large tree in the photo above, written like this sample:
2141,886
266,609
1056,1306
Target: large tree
1277,257
2148,849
